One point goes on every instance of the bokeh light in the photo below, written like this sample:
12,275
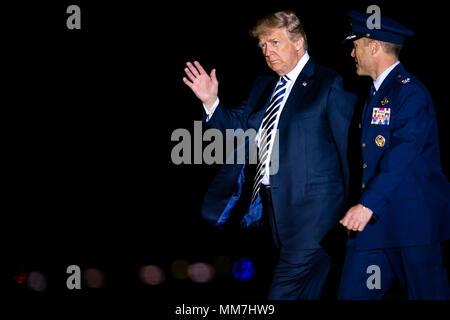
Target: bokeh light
180,269
36,281
243,269
223,265
201,272
152,275
21,276
94,278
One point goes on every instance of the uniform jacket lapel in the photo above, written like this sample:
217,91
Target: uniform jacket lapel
368,110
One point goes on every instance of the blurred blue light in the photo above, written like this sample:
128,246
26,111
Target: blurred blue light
243,269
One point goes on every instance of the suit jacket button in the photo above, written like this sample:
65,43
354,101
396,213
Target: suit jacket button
359,125
364,166
363,186
363,145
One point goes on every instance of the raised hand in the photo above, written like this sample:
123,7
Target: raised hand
203,85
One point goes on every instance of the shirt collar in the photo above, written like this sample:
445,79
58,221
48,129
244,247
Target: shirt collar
378,81
293,74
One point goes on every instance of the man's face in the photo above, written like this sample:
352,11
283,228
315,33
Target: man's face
281,54
361,54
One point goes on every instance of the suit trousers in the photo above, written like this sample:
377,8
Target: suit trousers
300,273
419,269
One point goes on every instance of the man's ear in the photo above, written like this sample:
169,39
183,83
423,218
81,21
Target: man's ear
375,47
299,43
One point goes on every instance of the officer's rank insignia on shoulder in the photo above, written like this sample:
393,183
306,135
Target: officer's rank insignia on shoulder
404,81
381,116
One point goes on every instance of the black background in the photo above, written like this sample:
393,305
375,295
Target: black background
87,121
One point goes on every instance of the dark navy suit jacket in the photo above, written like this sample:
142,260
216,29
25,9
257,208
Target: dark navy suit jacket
309,189
402,179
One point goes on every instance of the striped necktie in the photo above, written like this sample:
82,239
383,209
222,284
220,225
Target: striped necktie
267,132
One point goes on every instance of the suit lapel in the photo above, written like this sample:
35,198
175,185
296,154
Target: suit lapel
301,86
257,114
298,91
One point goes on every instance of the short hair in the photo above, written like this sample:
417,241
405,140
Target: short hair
388,47
280,19
392,48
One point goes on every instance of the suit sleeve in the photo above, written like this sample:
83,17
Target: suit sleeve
236,118
409,131
340,108
224,118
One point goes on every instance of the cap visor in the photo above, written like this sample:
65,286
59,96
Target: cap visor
353,37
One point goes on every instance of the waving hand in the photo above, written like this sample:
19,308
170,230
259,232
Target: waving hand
204,86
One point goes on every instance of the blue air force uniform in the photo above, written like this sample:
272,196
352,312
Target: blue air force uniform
402,183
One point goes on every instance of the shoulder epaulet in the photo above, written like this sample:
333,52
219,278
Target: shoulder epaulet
403,78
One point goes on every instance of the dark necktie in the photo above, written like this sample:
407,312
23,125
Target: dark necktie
372,91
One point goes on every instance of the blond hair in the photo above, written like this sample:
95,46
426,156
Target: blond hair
280,19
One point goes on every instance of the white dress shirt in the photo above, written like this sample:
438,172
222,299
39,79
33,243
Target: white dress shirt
292,75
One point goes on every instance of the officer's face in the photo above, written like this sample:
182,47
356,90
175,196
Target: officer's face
361,54
281,53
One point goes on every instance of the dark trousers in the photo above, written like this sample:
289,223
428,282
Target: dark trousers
300,274
420,272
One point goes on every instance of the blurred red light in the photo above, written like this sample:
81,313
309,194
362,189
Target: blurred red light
20,278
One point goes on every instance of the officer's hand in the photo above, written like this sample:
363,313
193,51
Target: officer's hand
357,218
203,85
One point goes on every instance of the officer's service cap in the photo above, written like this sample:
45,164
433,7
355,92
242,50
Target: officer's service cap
389,30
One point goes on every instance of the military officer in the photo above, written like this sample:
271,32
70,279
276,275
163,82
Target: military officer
403,211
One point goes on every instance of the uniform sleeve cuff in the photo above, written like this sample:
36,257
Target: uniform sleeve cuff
374,201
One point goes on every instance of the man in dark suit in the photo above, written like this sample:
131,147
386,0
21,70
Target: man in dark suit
308,112
404,194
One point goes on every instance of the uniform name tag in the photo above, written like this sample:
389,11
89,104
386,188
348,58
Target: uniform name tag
381,116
